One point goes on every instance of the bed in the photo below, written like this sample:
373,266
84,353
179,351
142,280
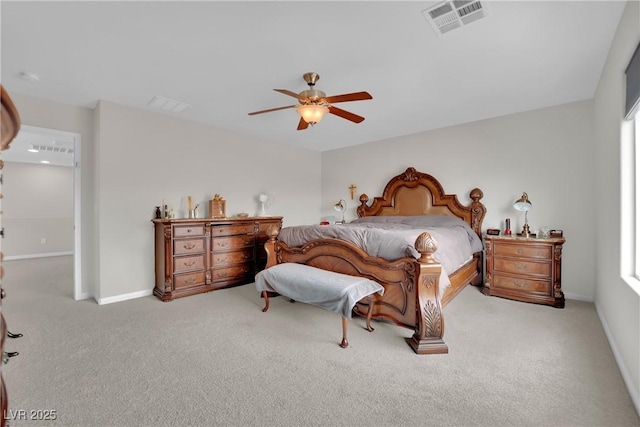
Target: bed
416,286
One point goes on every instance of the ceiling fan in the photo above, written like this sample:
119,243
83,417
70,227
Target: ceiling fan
313,104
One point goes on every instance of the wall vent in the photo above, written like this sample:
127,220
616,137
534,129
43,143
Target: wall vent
452,14
52,149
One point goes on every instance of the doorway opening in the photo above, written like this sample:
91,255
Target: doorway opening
36,145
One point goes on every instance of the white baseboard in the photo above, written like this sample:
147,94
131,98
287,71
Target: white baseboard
43,255
84,296
633,392
577,297
124,297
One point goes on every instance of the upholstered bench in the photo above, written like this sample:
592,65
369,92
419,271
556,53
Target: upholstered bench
325,289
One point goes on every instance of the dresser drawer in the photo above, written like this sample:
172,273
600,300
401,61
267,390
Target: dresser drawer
522,284
188,246
224,258
188,230
181,281
188,263
516,266
235,272
525,251
231,243
231,230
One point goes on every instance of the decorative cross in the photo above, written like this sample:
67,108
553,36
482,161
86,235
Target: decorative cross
352,188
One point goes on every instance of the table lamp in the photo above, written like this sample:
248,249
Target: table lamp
340,206
524,205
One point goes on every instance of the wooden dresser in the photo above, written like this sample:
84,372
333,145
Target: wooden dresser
201,255
524,269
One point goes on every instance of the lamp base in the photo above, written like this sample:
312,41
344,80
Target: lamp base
525,231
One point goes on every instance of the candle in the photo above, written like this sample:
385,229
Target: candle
189,198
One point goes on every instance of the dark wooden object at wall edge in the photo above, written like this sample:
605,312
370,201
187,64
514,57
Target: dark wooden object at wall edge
9,127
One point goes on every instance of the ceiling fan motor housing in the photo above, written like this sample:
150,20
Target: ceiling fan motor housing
311,96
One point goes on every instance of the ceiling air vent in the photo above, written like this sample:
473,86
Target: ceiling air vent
166,104
449,15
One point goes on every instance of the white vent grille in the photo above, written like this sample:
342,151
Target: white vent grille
452,14
53,149
166,104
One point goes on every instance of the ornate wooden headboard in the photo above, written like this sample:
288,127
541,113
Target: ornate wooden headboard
417,193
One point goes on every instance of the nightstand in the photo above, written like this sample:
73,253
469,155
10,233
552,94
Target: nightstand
524,269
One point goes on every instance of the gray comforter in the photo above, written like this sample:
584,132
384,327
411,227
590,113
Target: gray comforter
393,237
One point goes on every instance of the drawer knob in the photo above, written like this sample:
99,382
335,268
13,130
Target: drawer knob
222,244
190,281
189,264
519,251
521,266
189,247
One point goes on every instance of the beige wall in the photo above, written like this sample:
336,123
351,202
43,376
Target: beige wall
617,303
548,153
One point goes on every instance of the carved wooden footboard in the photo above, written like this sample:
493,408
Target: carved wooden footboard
411,296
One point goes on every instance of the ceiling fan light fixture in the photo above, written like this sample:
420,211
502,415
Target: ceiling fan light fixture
312,113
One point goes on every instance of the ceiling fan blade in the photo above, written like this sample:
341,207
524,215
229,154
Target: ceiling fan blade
288,92
272,109
345,114
356,96
302,125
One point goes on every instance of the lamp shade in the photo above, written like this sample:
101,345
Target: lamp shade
523,203
312,113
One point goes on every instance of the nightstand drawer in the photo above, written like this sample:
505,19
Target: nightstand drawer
224,258
520,284
188,263
525,251
231,243
188,246
231,230
517,266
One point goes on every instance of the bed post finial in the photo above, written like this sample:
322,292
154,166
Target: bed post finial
364,199
427,246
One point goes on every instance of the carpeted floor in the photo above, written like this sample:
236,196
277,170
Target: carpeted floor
216,359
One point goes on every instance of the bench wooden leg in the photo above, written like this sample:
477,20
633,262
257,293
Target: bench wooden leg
345,325
265,295
370,314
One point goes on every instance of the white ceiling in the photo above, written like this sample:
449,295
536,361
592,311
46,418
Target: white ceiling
224,59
